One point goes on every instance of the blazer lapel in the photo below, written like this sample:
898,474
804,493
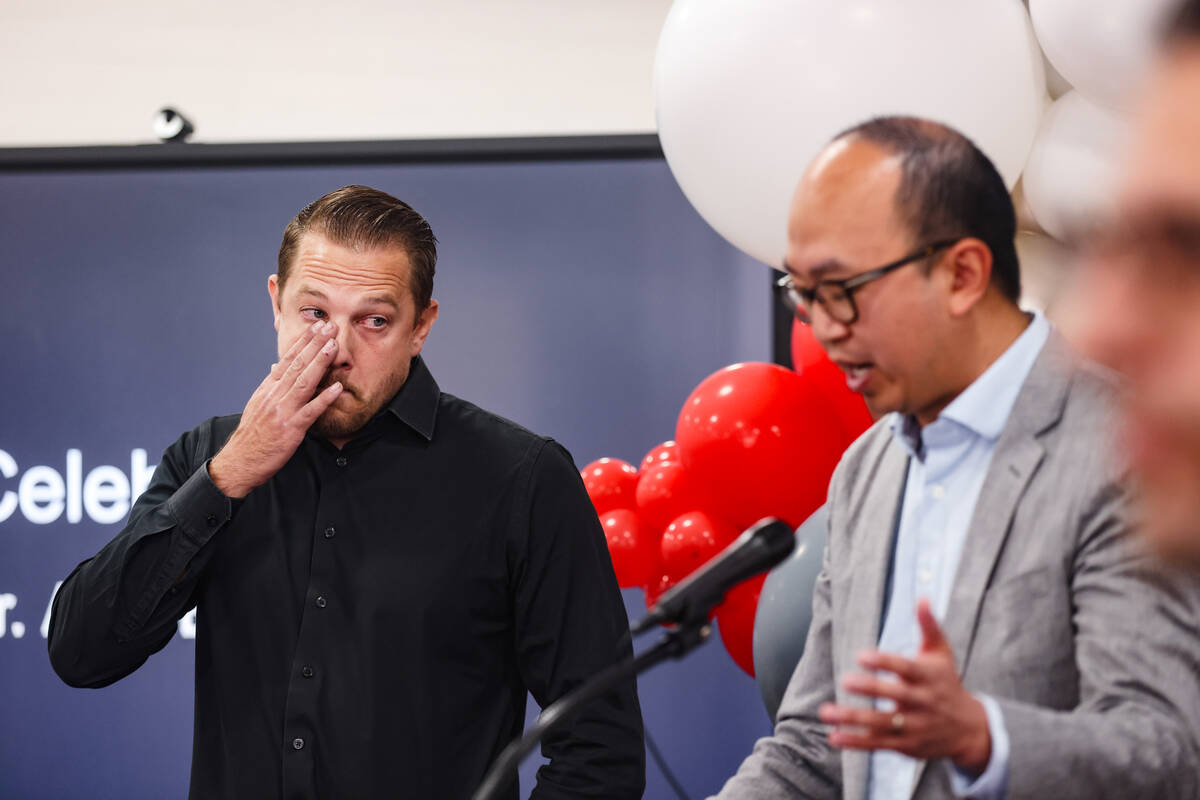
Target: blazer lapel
1008,475
863,614
1018,453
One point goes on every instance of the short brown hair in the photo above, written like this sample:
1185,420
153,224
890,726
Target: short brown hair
362,217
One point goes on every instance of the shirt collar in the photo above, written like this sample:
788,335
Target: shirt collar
984,406
907,431
416,403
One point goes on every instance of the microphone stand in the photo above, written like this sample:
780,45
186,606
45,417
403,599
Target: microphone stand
677,643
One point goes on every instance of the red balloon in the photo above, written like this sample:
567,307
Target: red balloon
691,540
663,493
665,453
735,621
809,359
633,550
611,483
757,441
655,588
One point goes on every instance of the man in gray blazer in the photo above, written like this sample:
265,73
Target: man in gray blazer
1142,294
984,626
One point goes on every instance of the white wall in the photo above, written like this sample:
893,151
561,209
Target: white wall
81,72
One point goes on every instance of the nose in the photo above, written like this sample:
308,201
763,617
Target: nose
825,328
344,356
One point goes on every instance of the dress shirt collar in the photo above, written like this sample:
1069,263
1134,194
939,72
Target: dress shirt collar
416,403
984,406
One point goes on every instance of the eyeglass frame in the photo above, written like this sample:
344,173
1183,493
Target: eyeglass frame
785,286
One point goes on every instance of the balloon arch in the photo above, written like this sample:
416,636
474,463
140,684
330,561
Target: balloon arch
746,95
752,440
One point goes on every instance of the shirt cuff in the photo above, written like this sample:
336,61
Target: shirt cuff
992,784
200,508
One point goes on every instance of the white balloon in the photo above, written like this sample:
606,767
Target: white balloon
1072,168
1056,84
747,93
1102,47
1045,268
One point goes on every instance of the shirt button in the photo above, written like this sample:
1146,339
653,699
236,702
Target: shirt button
320,601
329,532
307,672
212,520
938,492
926,576
297,744
342,461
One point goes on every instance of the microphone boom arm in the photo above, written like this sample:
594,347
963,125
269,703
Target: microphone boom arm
687,605
676,644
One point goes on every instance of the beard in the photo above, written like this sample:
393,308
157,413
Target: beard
343,423
334,424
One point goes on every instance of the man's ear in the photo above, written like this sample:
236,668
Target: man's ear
273,290
969,263
422,327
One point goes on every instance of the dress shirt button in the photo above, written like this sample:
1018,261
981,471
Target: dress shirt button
212,520
926,576
938,492
307,672
329,532
342,461
297,744
320,601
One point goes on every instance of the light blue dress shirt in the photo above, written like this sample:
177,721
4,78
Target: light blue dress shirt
948,461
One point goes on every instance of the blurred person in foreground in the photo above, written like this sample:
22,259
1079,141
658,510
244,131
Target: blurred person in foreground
381,570
1139,294
984,624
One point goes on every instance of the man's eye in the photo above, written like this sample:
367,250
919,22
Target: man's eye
376,322
313,314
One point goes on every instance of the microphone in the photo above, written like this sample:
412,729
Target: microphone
758,549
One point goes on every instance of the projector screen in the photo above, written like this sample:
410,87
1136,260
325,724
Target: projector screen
580,296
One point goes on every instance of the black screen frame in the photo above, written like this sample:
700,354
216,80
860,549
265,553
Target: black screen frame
172,155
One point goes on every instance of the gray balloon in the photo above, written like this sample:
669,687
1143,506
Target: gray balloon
785,612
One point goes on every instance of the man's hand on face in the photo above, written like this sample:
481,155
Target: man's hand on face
934,717
278,414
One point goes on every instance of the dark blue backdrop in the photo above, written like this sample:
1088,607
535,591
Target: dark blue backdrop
583,299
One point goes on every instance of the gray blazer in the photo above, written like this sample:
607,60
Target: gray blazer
1093,658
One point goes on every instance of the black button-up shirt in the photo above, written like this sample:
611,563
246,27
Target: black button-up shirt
370,619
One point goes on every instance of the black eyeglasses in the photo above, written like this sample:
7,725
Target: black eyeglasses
837,297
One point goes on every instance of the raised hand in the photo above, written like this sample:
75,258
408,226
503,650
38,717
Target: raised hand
934,715
278,414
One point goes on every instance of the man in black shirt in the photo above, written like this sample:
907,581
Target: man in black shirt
381,571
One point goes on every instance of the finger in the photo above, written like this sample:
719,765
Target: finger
870,686
867,718
301,342
309,379
931,632
310,351
904,668
267,384
307,415
852,740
